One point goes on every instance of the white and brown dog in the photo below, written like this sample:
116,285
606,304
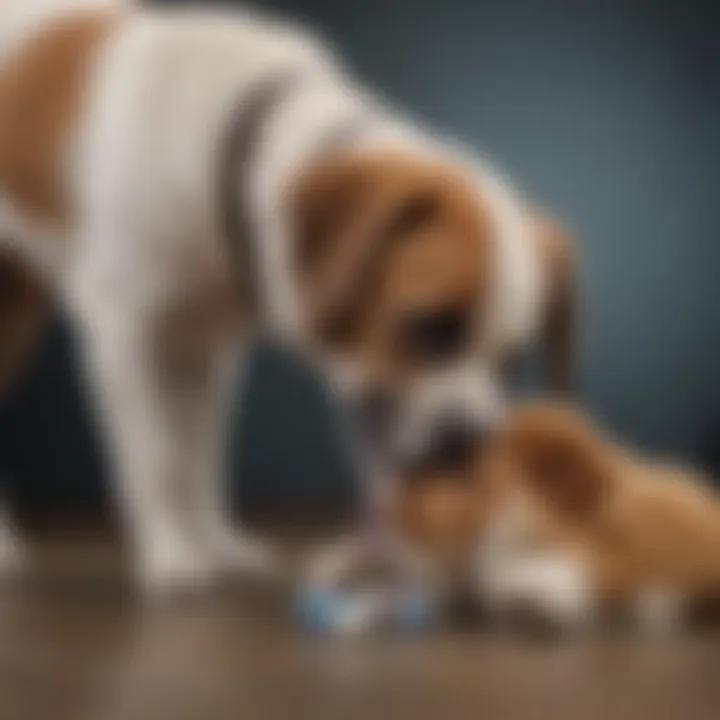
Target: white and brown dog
181,179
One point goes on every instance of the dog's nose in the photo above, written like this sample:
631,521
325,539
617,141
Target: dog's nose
454,443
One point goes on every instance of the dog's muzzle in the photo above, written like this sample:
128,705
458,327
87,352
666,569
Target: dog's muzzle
449,444
437,426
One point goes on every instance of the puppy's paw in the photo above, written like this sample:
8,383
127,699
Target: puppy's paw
544,593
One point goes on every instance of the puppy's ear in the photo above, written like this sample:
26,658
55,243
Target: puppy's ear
560,311
344,212
563,460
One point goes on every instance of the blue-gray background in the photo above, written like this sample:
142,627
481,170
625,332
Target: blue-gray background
607,111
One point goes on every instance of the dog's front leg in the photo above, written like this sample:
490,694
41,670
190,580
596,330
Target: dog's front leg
154,387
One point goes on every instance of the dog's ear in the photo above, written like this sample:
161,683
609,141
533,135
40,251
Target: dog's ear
560,310
24,311
565,461
344,212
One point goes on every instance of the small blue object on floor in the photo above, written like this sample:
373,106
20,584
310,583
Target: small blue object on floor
327,612
318,609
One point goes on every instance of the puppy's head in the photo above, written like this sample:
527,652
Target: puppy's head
420,283
540,482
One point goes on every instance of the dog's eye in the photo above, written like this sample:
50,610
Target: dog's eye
434,336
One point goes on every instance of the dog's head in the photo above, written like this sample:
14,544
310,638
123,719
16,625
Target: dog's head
422,282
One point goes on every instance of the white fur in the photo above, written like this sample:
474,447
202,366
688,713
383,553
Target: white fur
466,391
556,586
142,171
557,589
551,587
510,573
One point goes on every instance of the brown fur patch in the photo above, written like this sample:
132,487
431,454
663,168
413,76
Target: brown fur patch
42,90
23,311
562,457
384,233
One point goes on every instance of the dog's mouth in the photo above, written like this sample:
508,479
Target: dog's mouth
451,448
450,444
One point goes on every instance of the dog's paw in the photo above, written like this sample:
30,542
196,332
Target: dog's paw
171,568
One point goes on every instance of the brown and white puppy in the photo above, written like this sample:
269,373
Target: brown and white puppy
556,520
133,140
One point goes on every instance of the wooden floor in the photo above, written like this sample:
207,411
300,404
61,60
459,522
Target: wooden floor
75,646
